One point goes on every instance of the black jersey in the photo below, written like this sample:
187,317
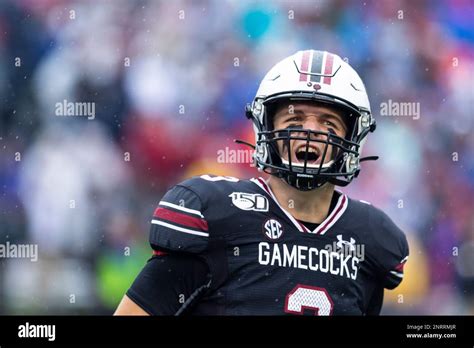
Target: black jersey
262,261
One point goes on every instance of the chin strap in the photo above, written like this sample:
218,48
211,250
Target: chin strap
369,158
237,141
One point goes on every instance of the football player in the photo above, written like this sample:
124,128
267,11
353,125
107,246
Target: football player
291,244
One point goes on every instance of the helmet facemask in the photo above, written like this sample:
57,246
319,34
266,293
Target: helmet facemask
314,164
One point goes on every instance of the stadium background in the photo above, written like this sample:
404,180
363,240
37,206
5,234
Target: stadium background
169,80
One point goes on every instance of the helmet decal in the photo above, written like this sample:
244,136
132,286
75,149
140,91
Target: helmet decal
316,64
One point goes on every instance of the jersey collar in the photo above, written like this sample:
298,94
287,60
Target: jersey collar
330,220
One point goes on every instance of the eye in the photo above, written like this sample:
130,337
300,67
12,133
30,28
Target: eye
293,119
331,124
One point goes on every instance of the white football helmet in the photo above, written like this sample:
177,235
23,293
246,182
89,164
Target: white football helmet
321,77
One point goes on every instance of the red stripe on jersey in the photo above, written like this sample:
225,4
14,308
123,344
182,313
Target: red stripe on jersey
399,267
182,219
264,184
159,253
328,68
334,215
305,229
304,65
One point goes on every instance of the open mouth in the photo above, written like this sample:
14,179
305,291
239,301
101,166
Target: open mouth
312,155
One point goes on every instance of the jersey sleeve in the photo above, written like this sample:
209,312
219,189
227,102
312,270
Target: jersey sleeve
178,223
179,270
391,251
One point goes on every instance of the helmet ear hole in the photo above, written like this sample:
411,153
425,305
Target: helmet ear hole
248,111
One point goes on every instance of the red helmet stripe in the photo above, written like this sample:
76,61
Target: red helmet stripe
328,68
304,66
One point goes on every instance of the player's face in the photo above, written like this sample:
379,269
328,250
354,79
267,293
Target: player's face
313,117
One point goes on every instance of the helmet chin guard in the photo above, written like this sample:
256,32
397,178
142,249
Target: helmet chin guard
323,78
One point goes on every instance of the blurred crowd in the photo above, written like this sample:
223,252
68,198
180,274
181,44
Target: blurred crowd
169,81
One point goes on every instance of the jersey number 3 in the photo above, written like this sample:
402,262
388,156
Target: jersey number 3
308,297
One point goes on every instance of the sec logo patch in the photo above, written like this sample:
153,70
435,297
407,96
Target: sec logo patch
272,229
